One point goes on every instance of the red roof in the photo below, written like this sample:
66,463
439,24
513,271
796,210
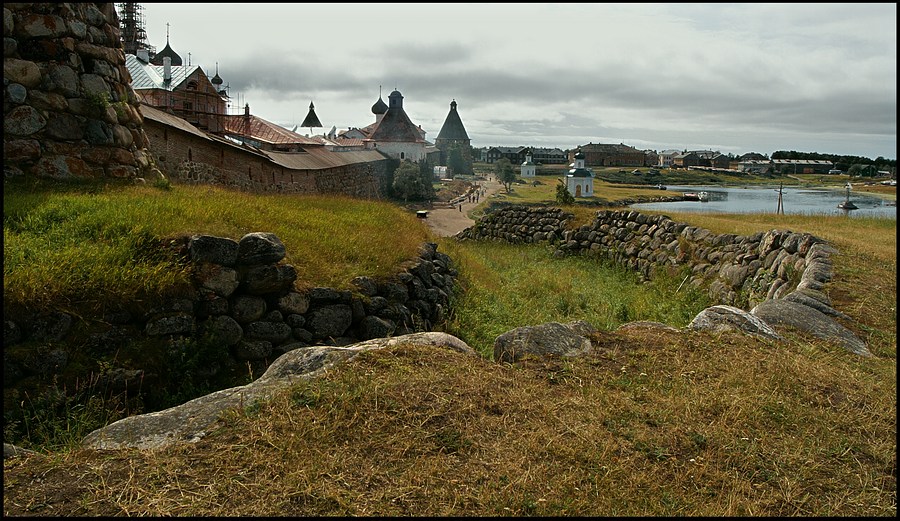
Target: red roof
265,131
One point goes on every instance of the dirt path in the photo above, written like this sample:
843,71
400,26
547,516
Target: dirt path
445,222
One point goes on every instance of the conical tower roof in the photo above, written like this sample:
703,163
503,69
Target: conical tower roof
395,125
453,127
311,119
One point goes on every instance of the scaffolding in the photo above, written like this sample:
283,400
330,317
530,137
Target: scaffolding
134,36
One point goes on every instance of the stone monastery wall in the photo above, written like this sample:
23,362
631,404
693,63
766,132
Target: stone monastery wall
68,107
189,158
736,270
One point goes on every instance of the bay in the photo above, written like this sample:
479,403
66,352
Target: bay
764,199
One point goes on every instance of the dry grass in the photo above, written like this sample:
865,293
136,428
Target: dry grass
651,424
658,424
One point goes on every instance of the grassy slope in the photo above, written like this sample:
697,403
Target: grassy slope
651,424
85,245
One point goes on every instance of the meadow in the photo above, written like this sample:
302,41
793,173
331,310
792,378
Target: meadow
652,423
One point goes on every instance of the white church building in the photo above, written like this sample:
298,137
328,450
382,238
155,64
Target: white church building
528,167
579,180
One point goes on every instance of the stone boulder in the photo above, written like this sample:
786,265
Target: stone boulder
260,248
718,319
814,299
193,420
809,320
217,250
551,338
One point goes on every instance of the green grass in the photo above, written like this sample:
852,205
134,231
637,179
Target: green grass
507,286
83,246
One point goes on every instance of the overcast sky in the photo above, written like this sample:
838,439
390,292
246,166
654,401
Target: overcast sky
729,77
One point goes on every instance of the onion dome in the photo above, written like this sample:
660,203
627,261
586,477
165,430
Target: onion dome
166,52
380,107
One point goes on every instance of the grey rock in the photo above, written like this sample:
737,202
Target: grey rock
366,285
375,327
294,303
51,327
330,321
260,248
246,308
222,280
717,319
814,299
252,350
193,420
171,325
809,320
225,330
13,451
23,121
269,278
551,338
218,250
274,332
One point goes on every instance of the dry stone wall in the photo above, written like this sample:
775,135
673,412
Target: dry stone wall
245,304
736,270
68,107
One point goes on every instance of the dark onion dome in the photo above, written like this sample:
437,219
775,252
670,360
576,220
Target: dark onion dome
580,171
453,128
166,52
311,119
528,161
216,79
380,107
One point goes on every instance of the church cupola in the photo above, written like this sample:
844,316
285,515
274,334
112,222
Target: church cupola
380,107
579,159
395,100
167,52
216,80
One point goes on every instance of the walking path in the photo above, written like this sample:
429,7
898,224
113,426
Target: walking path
446,222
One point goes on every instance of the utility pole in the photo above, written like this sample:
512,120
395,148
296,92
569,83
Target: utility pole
780,210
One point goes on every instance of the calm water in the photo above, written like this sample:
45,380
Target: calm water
756,199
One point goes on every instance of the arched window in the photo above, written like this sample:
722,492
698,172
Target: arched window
192,85
402,155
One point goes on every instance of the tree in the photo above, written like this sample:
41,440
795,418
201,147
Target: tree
456,161
408,182
426,172
563,195
506,174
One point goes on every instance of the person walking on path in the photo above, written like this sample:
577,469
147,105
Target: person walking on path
446,222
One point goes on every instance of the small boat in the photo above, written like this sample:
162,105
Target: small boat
690,196
703,197
660,186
